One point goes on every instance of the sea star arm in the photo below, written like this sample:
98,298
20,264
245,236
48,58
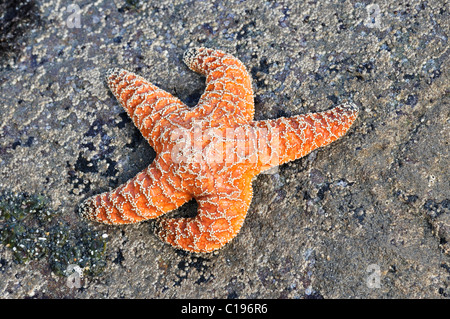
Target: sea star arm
228,95
147,105
219,219
148,195
285,139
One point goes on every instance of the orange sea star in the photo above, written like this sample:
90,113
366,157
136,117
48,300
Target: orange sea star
210,152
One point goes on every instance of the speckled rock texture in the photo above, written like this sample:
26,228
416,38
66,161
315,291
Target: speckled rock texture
365,217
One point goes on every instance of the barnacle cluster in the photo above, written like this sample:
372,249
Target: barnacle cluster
33,231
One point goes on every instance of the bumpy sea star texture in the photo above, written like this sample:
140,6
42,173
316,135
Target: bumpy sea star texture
210,152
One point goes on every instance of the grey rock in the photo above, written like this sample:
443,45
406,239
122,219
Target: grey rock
374,203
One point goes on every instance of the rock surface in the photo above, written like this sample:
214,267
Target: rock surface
366,217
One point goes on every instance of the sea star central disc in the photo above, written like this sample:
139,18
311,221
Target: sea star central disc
210,152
